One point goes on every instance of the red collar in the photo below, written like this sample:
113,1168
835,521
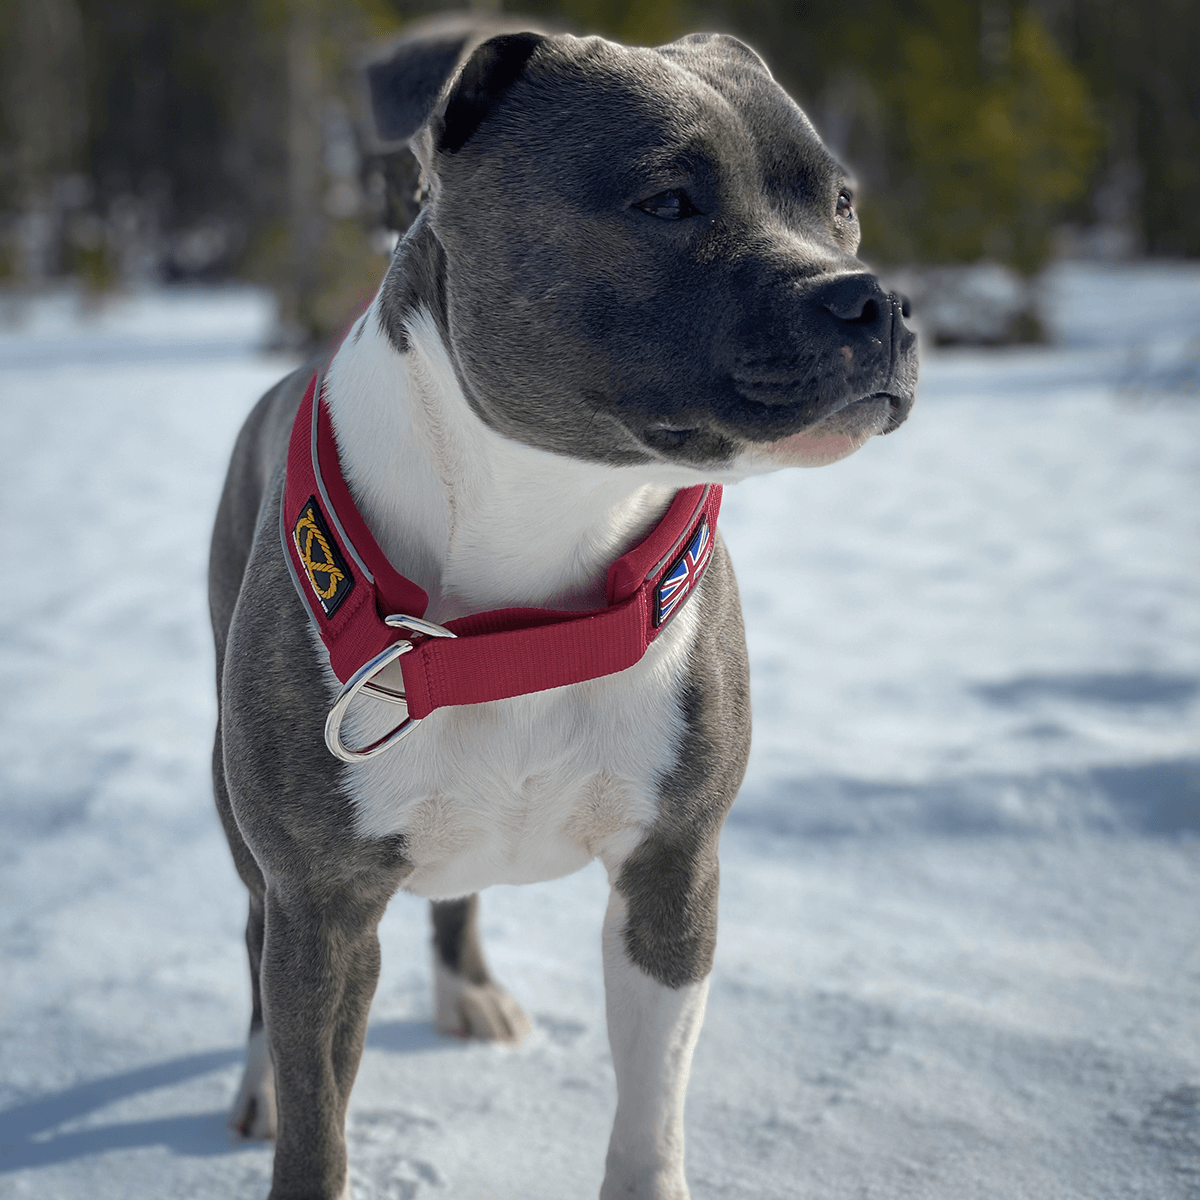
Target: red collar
350,588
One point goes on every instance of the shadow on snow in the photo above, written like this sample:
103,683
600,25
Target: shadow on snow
1112,689
1157,798
28,1132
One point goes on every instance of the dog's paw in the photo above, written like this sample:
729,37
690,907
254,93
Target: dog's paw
477,1010
253,1114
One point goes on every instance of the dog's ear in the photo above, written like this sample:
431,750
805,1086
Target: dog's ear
488,74
407,80
404,85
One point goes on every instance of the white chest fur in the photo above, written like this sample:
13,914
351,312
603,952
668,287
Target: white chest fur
536,786
530,788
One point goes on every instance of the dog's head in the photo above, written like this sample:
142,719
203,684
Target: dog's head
641,255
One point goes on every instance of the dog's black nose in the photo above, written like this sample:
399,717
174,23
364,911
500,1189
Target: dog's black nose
856,299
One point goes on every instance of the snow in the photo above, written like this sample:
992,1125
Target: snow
960,913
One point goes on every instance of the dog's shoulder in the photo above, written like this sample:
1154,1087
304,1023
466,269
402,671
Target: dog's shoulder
257,459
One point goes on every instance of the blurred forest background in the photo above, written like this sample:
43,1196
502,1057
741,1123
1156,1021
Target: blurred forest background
148,141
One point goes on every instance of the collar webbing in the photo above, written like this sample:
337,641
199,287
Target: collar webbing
349,587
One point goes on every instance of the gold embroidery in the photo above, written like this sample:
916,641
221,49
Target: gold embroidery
307,533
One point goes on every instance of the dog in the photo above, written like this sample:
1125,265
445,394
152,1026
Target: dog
474,619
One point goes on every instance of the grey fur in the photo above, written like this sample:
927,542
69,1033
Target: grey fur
670,880
416,280
406,78
317,891
456,938
579,323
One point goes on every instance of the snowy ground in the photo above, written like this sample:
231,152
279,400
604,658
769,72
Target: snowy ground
960,942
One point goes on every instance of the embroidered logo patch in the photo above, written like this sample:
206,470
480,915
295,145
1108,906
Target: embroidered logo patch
324,567
683,574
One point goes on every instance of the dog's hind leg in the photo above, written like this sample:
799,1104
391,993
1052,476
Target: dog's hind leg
468,1001
253,1112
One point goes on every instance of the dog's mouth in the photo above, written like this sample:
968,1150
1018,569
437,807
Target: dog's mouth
828,439
835,436
669,437
892,408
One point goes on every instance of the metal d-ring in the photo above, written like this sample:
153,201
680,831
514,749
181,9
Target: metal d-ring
360,681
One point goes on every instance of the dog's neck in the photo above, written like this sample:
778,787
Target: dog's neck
476,519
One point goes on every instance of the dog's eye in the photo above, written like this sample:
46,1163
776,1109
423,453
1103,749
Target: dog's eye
845,205
669,206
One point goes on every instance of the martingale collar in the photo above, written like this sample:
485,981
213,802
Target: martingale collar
358,601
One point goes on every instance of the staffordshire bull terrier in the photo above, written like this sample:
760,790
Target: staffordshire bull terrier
474,620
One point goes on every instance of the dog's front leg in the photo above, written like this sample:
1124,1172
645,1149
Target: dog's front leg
319,970
652,1028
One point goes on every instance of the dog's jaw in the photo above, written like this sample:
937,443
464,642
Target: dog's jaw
829,441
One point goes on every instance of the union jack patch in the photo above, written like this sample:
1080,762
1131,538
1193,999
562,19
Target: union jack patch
683,575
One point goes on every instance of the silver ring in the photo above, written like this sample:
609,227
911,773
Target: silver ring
361,681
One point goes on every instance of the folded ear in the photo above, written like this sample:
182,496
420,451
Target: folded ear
407,80
489,73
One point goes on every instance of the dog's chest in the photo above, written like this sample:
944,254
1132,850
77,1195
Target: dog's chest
530,788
